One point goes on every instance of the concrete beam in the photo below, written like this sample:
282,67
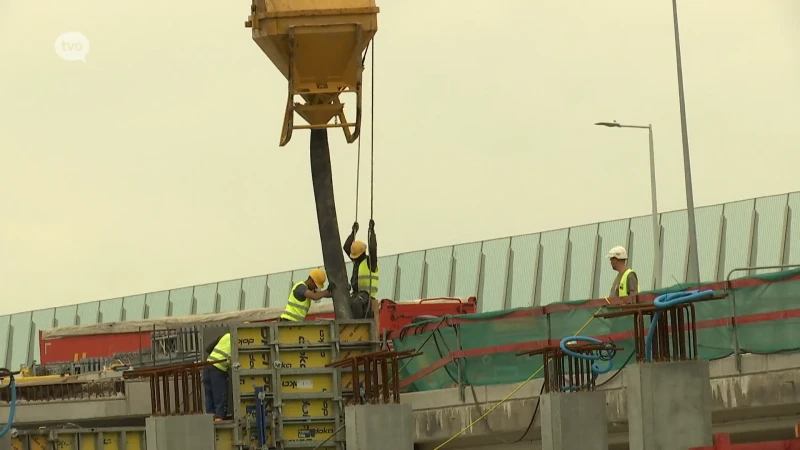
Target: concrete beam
765,389
135,403
762,397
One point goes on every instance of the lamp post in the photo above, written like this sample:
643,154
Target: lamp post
693,271
657,253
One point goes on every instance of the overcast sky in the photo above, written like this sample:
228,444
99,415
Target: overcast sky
155,164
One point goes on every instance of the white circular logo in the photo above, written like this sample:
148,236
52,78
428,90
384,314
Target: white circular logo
72,46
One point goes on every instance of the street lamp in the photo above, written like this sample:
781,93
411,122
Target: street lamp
693,272
657,254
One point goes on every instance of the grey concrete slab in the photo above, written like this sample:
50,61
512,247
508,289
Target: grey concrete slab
385,427
193,432
669,405
572,420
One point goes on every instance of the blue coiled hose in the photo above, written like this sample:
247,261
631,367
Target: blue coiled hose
668,301
13,386
596,369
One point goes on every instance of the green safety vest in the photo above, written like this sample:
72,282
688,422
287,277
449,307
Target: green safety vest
367,280
623,283
222,353
296,310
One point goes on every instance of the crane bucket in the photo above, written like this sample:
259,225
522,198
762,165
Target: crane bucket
318,45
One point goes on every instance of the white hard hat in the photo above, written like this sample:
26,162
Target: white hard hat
618,252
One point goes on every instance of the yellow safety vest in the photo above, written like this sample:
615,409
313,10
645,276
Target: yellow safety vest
623,283
296,310
367,280
222,353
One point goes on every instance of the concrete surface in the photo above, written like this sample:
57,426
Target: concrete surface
574,420
385,427
763,400
669,405
194,432
5,442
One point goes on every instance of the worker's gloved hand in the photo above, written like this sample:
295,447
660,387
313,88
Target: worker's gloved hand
331,287
355,227
371,224
328,293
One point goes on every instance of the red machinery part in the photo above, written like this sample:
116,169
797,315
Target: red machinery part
393,316
723,442
73,348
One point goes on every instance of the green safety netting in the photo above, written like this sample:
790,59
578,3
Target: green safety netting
769,293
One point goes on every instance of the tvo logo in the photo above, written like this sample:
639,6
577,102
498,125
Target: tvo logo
72,46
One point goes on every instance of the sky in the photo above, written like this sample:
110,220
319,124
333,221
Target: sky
155,163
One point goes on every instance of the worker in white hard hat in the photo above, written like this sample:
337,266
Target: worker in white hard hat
626,283
365,276
302,293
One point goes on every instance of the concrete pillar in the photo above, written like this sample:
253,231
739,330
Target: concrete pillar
5,442
384,427
191,432
574,420
669,405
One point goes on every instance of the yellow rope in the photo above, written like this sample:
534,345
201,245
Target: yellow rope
517,388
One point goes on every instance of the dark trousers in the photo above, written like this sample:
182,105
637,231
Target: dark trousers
215,384
361,306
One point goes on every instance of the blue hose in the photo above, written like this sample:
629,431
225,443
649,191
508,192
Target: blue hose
668,301
13,386
596,369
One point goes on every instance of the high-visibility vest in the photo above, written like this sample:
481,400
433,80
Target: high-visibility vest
296,310
367,280
623,283
222,353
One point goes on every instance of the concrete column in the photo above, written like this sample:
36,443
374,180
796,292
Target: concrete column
669,405
5,442
574,420
384,427
192,432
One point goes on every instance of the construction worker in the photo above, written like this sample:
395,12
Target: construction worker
302,293
215,377
364,279
626,283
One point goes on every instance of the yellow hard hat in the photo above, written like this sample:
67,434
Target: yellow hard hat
357,249
318,275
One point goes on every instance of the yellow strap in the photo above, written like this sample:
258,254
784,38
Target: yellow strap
577,333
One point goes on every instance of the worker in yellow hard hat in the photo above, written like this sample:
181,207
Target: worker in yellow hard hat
365,277
301,295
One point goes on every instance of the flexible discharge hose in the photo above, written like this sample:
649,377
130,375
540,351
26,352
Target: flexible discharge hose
665,301
13,386
605,354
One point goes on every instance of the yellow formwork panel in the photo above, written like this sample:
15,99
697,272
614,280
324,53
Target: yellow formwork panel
289,359
247,383
65,442
349,353
88,441
318,382
292,408
355,332
307,408
305,334
223,439
308,432
253,337
347,380
257,360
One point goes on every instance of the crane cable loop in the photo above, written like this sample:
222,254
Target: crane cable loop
371,47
